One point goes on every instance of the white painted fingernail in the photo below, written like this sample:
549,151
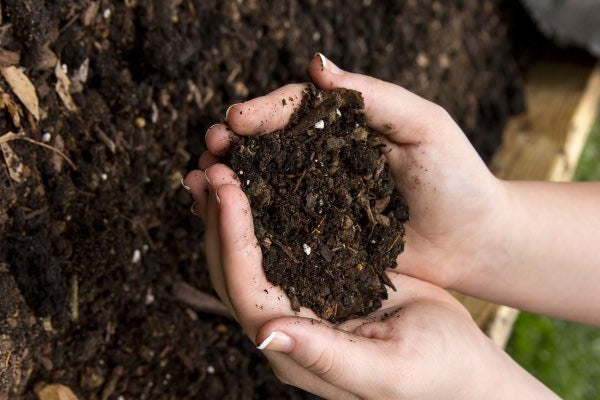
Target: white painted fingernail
229,109
323,60
267,341
277,341
193,210
207,178
210,127
186,187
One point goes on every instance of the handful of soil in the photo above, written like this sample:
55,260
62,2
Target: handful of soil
325,210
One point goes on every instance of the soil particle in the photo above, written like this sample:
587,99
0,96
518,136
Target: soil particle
320,191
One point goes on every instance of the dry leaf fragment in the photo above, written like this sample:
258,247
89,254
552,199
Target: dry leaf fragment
8,58
55,391
90,13
63,86
13,108
23,89
13,163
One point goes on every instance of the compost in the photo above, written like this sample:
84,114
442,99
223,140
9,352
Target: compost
322,183
96,238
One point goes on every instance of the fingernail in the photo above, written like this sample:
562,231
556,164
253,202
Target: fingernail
193,210
209,128
277,341
326,64
229,109
207,178
186,187
217,198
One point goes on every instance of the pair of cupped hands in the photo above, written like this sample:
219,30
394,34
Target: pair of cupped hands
423,344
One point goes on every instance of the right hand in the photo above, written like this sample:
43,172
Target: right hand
456,204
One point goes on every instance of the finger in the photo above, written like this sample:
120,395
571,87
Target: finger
198,187
206,160
291,373
338,357
219,139
220,174
392,110
267,113
252,296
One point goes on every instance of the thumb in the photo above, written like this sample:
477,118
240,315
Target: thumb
392,110
338,357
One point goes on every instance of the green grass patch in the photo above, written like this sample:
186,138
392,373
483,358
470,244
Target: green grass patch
563,355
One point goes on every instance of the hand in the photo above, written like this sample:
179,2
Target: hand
457,206
422,344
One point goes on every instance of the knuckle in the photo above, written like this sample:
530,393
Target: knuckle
324,365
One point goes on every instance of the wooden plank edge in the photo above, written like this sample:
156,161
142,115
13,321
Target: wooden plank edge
564,163
563,168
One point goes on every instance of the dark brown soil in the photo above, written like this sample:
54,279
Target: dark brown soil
89,258
325,210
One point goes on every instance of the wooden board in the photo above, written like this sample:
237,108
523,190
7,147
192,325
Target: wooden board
544,143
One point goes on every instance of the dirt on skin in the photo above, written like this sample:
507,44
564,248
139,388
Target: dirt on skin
326,213
91,257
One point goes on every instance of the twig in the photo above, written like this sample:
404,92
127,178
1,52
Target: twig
199,300
7,137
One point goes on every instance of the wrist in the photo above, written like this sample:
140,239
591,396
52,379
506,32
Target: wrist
490,253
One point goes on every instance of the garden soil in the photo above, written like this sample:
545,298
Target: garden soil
96,240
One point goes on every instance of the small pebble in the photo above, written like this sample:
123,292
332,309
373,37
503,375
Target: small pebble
320,124
137,256
106,13
46,137
103,176
338,112
241,172
306,249
210,369
247,182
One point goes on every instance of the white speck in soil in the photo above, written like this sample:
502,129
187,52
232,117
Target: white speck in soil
338,112
154,116
137,256
149,297
106,13
210,369
247,182
320,124
241,172
103,176
306,249
46,137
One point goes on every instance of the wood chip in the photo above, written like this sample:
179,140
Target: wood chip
13,163
55,391
63,87
23,89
